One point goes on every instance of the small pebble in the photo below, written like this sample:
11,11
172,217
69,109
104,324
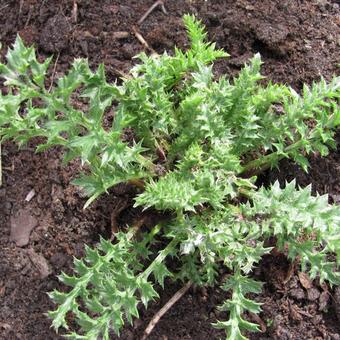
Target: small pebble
22,223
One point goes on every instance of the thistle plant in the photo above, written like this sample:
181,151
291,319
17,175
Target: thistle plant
198,143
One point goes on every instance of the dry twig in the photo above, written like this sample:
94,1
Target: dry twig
53,72
3,7
120,73
21,3
290,272
74,15
28,16
142,40
164,309
147,13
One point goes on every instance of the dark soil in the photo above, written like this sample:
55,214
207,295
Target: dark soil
299,42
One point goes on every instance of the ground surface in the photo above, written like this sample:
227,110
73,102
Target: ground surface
299,42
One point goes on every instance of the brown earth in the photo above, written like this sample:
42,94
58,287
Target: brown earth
299,42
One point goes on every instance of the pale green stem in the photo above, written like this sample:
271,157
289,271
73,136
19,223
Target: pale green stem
160,258
264,162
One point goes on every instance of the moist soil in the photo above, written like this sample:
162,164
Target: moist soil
299,42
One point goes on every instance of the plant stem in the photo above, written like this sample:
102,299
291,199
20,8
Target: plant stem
160,258
147,163
257,166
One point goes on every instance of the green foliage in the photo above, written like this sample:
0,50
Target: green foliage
209,137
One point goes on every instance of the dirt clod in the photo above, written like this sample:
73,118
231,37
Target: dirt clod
313,294
323,300
40,263
55,34
297,294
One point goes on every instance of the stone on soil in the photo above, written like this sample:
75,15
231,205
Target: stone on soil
22,224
